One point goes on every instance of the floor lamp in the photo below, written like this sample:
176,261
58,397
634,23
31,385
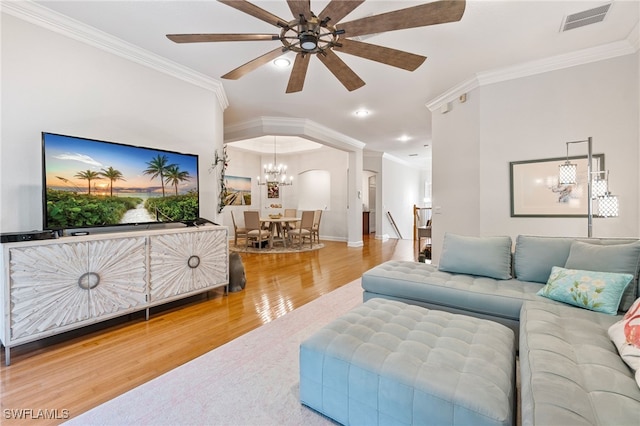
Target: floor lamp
597,186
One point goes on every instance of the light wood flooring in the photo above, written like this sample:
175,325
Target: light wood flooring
79,370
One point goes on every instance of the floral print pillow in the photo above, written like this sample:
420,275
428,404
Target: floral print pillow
597,291
625,334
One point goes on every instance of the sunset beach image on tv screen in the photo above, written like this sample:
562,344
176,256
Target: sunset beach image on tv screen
91,183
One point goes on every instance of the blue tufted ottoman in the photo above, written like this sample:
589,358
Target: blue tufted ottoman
387,362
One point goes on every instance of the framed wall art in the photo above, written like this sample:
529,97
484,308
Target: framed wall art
535,191
237,191
273,190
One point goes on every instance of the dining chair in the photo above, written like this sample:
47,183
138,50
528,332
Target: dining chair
305,229
290,213
315,230
238,230
255,232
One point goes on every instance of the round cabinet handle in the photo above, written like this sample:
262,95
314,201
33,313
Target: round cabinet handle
89,280
193,262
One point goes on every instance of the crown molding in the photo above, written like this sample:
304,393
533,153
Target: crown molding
395,159
46,18
453,93
553,63
284,126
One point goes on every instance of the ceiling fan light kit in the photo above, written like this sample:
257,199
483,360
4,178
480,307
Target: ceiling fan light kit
282,62
310,34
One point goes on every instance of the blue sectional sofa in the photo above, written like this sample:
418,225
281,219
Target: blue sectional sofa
571,371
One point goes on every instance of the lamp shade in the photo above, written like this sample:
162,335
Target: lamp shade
608,205
567,173
599,187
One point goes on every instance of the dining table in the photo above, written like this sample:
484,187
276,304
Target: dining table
279,227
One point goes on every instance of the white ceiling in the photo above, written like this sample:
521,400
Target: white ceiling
492,35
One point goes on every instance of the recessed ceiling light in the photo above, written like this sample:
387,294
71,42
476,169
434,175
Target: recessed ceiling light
281,62
404,138
362,113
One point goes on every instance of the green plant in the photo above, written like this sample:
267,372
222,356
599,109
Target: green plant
113,175
174,208
88,175
174,176
158,167
72,210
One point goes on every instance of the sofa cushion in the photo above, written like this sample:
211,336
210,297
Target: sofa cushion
480,256
535,256
423,284
619,258
570,370
597,291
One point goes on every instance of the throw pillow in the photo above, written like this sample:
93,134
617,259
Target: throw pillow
620,258
482,256
625,334
535,256
597,291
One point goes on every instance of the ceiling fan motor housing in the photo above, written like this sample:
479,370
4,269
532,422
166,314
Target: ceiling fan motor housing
308,35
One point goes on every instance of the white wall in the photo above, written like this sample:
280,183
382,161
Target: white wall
334,219
399,186
456,170
532,118
57,84
402,188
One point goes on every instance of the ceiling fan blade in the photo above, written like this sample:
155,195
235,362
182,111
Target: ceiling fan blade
347,77
298,73
437,12
255,11
338,9
300,7
396,58
253,64
203,38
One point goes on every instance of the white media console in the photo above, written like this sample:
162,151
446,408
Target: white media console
53,286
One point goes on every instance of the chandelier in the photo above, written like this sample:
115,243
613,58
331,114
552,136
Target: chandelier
274,173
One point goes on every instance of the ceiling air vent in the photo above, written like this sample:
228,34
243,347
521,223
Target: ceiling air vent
586,17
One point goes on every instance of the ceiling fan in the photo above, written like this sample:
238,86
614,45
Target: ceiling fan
309,34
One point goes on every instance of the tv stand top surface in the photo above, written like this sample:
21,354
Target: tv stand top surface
101,234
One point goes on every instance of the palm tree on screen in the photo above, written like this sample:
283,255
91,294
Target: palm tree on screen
89,175
158,167
174,176
113,175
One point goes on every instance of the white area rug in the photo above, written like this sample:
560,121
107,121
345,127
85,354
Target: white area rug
252,380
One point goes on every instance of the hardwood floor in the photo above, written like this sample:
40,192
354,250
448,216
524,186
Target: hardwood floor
72,373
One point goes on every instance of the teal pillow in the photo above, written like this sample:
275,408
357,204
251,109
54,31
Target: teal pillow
597,291
535,256
622,258
619,258
483,256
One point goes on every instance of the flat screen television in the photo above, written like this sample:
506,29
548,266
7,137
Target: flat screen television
90,183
